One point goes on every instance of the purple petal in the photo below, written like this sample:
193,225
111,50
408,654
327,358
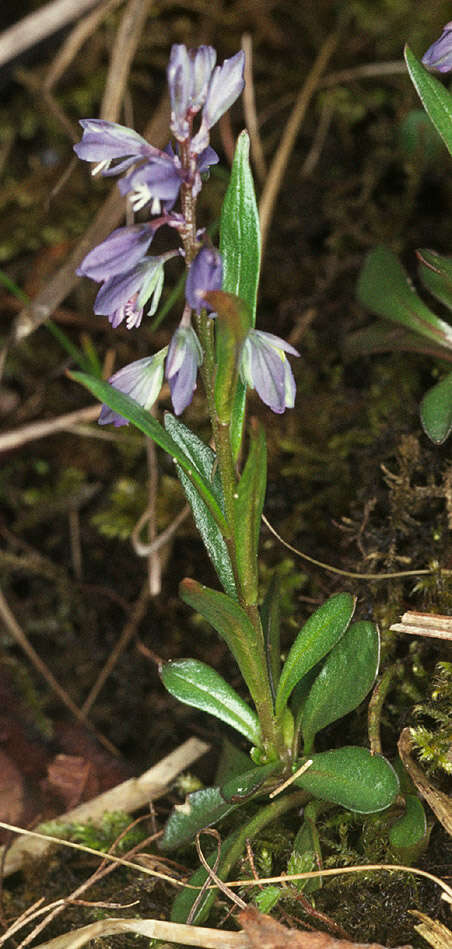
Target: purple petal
206,273
120,252
276,341
141,380
102,141
263,366
207,158
184,357
439,54
225,86
117,291
161,178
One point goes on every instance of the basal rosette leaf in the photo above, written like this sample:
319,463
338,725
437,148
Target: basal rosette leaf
435,271
197,684
353,778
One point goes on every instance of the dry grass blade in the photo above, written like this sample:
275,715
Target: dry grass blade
36,26
77,37
126,42
433,625
28,433
249,108
434,932
152,929
20,638
279,164
440,803
127,797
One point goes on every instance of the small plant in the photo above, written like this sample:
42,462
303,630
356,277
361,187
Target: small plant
384,287
333,661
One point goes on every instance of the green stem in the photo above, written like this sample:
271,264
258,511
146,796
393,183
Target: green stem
234,846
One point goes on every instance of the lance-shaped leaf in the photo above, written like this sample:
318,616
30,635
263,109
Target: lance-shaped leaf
384,288
435,272
248,507
435,98
319,634
271,622
143,420
436,411
200,686
344,680
204,459
240,245
353,778
232,624
206,807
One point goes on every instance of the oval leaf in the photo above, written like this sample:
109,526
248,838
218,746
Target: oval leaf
321,632
345,679
436,411
435,98
353,778
384,288
200,686
204,458
240,245
409,832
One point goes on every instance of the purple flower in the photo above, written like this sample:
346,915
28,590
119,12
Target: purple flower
158,181
189,72
264,367
103,141
120,252
142,380
184,358
225,87
206,273
439,54
124,296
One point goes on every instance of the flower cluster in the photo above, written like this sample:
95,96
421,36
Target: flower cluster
131,279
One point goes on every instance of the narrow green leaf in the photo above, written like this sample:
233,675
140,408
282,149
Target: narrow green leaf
353,778
204,459
271,622
435,272
409,831
231,623
144,421
248,507
200,686
384,288
183,903
321,632
436,411
232,325
240,245
344,680
435,98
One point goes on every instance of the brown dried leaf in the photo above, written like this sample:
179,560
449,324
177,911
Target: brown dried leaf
265,933
73,778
